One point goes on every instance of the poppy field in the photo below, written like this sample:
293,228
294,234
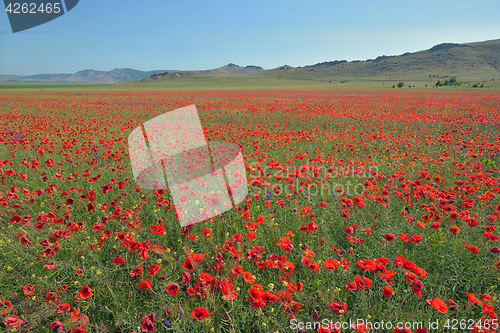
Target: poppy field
363,207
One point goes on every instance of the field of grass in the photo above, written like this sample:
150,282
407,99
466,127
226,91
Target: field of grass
362,205
258,81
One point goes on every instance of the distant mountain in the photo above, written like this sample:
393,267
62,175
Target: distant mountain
231,69
85,76
284,67
125,74
467,61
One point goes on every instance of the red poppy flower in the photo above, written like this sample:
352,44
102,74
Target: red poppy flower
268,297
206,277
401,330
50,265
472,298
251,235
409,265
22,237
420,271
421,329
306,261
362,328
119,260
200,313
207,233
85,292
438,304
148,323
336,306
310,227
415,239
471,248
420,224
388,275
331,263
188,264
255,293
351,286
29,289
417,287
410,276
487,297
435,225
197,256
13,321
137,271
288,268
345,215
145,284
454,230
172,289
490,236
186,277
389,237
404,237
157,229
153,269
387,292
248,277
237,270
57,324
362,282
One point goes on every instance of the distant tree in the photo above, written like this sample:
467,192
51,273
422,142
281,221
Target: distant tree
401,85
439,84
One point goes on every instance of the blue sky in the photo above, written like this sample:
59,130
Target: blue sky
192,34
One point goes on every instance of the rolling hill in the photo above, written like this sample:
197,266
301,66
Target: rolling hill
85,76
468,62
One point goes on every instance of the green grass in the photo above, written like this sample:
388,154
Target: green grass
254,82
42,86
118,305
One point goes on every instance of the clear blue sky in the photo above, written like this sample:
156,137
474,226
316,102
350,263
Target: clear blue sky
195,34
